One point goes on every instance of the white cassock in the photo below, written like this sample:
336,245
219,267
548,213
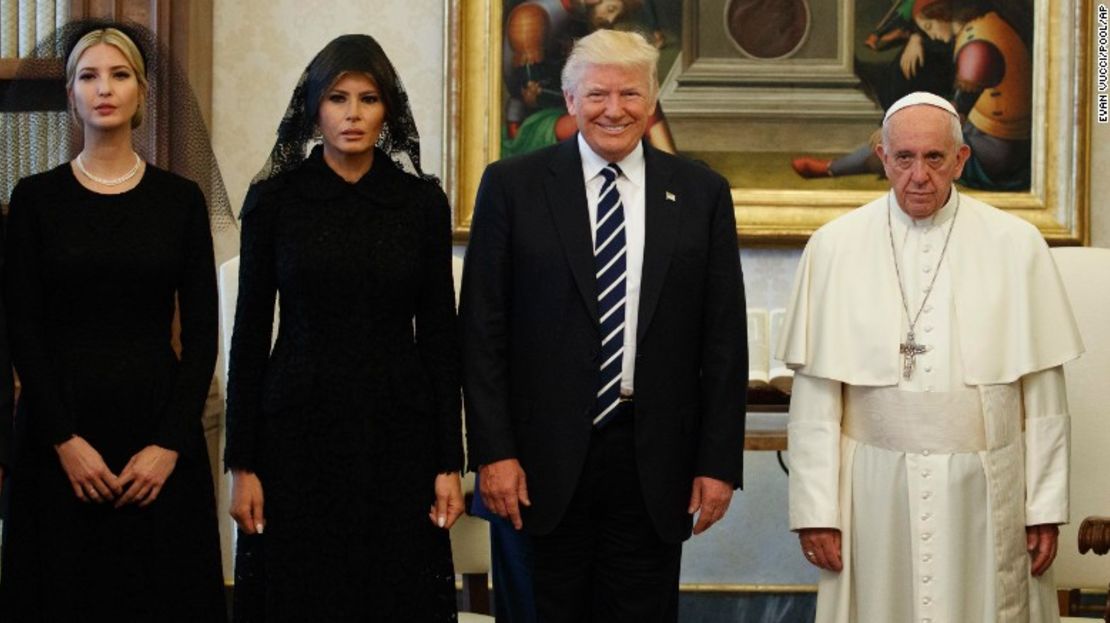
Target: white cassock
930,479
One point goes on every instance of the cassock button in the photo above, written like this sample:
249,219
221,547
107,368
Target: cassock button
928,368
927,269
926,495
926,558
926,536
924,473
926,621
929,328
926,600
926,247
925,452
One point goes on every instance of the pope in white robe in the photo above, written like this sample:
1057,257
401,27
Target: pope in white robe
928,428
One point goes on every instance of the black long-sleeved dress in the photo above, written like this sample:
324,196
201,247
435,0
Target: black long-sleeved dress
357,409
7,388
90,285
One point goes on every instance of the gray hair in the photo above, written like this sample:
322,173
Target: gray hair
611,47
953,127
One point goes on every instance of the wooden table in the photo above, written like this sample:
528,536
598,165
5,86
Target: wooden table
766,401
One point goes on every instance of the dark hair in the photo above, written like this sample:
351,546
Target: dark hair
349,53
346,54
955,10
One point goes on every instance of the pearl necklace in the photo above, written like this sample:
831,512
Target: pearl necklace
79,161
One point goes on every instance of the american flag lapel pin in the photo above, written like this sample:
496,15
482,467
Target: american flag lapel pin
670,196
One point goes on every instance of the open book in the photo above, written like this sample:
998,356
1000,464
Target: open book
764,371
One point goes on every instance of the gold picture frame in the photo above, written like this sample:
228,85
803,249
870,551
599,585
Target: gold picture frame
1057,202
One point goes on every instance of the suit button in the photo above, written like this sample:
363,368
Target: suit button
595,353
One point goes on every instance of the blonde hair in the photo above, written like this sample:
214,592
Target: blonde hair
612,47
119,40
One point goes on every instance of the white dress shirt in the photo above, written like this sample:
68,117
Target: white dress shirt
630,184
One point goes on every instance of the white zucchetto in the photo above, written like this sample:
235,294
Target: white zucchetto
920,98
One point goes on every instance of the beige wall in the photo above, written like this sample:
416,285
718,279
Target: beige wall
1100,181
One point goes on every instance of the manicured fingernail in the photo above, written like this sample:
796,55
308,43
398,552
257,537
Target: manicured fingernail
442,521
258,528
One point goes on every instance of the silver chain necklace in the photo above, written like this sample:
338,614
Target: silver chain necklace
108,182
910,349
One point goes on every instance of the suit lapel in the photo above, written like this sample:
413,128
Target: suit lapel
566,196
661,208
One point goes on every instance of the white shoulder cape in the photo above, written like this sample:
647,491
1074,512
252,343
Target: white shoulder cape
844,321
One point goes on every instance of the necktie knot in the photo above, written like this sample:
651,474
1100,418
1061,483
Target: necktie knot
610,172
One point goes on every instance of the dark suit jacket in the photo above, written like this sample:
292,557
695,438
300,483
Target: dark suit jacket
531,339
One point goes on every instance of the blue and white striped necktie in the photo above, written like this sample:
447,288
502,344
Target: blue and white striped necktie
609,255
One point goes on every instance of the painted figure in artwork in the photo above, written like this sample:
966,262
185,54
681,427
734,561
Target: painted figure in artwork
991,89
922,63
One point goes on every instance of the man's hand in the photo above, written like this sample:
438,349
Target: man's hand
711,497
504,488
88,475
449,500
146,473
821,547
1041,541
246,501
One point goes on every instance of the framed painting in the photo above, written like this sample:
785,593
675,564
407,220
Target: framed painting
776,114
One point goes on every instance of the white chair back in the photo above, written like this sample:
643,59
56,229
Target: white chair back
470,540
470,550
228,280
1086,275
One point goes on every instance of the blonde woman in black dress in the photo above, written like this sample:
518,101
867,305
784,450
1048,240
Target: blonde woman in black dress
112,507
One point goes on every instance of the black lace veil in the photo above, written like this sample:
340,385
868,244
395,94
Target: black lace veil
348,53
38,134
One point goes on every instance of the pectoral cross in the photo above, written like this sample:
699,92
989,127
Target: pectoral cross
910,350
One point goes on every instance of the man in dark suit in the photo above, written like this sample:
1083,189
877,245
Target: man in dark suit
604,347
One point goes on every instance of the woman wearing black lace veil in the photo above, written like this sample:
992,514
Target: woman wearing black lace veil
345,441
112,511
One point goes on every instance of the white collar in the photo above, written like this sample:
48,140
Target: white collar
631,166
940,216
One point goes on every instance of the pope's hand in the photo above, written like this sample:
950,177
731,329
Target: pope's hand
1041,541
821,546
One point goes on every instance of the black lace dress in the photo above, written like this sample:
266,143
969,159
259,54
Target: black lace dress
90,283
357,409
